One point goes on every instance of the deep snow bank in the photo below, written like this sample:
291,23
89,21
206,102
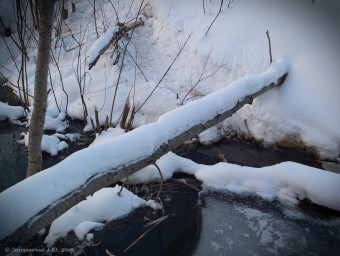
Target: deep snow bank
307,108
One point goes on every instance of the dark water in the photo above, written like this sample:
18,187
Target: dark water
175,234
13,160
246,154
13,156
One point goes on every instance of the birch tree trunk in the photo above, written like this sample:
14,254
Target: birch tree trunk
36,129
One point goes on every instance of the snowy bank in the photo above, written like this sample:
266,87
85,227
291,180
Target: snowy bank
307,109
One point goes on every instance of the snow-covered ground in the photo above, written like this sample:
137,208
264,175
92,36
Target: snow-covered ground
305,109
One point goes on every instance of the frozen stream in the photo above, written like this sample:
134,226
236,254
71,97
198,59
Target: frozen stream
251,226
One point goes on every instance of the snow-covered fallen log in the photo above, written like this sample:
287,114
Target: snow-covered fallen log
32,204
111,36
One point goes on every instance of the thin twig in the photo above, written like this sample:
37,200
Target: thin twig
270,48
51,84
61,79
219,11
202,77
122,187
136,64
155,224
166,72
162,181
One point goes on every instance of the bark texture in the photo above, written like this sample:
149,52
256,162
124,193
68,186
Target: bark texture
94,183
36,129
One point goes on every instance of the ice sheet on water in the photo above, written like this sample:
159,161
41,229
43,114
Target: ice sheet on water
257,227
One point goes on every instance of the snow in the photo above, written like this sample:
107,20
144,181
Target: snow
153,204
89,236
72,137
50,143
305,109
83,228
288,182
106,135
100,43
59,123
285,181
11,112
85,216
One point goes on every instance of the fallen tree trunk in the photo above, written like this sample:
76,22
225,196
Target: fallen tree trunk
104,43
219,106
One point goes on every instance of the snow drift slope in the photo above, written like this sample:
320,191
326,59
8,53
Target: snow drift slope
308,107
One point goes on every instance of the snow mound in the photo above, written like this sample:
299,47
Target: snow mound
10,112
288,182
105,205
84,228
58,124
50,143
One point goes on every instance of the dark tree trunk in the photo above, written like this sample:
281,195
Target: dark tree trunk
36,129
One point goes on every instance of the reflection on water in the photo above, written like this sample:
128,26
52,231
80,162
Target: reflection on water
252,226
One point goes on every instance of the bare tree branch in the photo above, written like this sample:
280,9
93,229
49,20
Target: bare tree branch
219,11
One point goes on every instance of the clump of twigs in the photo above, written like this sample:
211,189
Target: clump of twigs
206,73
